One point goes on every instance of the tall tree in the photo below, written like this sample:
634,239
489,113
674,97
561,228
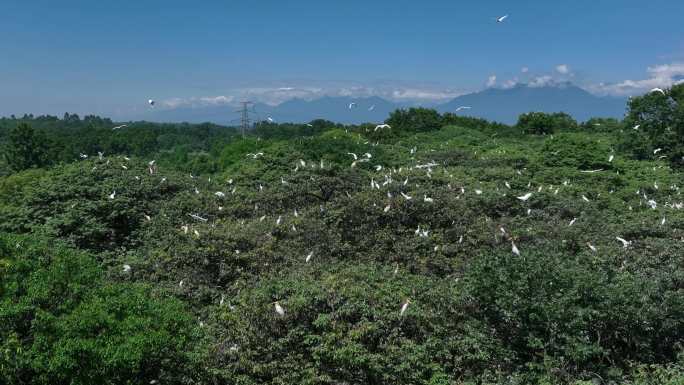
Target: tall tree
26,148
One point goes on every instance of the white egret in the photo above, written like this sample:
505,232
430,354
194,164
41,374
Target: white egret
624,242
404,307
279,309
515,249
525,197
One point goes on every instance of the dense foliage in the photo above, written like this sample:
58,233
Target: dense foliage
328,254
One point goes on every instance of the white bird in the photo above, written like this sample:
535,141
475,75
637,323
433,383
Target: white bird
381,126
463,108
572,222
279,309
637,126
404,307
387,208
592,247
478,192
220,194
126,268
368,155
657,90
610,158
371,108
354,155
624,242
83,156
657,150
308,257
585,198
352,105
407,197
121,126
514,249
280,219
662,221
270,119
427,199
197,217
525,197
112,195
151,102
501,19
508,185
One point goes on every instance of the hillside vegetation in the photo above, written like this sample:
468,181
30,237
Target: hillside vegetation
442,250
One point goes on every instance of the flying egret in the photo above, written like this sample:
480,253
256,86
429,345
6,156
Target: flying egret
151,102
371,108
572,222
112,195
407,197
381,126
427,199
352,105
501,19
525,197
592,247
308,257
657,90
270,120
657,150
220,194
126,268
624,242
121,126
463,108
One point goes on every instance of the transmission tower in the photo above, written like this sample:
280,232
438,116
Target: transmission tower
244,117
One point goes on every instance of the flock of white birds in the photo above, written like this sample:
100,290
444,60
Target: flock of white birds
380,178
428,168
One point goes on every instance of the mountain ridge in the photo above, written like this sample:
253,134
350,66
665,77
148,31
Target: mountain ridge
496,104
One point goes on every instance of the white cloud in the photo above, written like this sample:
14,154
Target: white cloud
510,83
662,76
563,69
277,95
541,81
491,82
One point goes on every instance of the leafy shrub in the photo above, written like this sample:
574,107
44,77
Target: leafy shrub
576,150
61,323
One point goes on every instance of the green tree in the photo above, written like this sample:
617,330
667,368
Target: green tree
659,122
26,148
541,123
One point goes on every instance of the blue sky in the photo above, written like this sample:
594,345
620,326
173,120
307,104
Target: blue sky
109,57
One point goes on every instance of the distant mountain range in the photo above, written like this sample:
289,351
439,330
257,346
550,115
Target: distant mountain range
496,104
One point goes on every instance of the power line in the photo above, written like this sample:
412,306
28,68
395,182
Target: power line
244,117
